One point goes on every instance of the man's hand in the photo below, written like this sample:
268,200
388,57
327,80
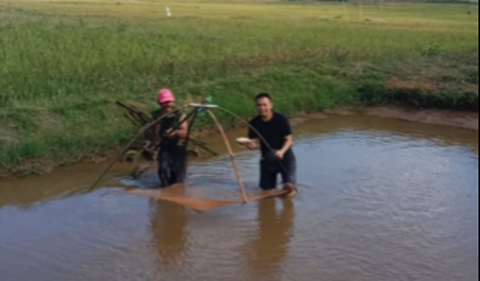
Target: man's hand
288,144
280,154
252,145
172,134
181,132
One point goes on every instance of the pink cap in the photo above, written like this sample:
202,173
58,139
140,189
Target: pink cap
165,95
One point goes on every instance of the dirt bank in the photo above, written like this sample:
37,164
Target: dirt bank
459,119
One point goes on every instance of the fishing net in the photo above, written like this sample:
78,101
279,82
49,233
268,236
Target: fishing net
195,197
179,194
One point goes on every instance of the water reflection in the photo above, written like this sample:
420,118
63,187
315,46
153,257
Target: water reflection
168,228
266,254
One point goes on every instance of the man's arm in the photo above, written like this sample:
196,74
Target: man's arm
288,144
255,139
181,132
254,144
287,132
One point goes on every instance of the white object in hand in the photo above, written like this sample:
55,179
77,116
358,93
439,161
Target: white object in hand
199,105
245,141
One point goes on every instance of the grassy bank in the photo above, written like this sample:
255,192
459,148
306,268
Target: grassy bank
63,65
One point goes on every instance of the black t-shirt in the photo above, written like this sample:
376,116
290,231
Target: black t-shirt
274,132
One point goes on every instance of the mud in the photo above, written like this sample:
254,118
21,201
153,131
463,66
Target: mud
464,120
397,83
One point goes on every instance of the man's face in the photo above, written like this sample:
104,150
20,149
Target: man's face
167,106
264,106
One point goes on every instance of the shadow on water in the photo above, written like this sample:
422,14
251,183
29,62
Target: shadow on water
168,226
266,253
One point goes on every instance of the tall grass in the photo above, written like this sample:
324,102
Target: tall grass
60,76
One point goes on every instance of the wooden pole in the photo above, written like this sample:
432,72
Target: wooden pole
232,157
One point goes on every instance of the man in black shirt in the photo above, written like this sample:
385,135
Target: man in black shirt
277,153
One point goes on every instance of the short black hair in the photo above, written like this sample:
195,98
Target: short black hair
263,95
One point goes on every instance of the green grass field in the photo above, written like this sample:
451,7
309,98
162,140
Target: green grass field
64,64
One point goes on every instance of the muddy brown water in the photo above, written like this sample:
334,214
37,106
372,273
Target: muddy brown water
379,200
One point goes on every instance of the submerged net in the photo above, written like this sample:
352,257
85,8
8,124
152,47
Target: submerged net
192,196
179,194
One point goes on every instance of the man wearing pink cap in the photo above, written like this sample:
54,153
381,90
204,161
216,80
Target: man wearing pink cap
172,153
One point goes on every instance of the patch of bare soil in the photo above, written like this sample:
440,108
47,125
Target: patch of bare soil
342,111
316,116
34,167
396,83
305,117
470,88
459,119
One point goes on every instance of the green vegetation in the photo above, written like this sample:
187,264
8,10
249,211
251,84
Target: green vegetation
63,65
